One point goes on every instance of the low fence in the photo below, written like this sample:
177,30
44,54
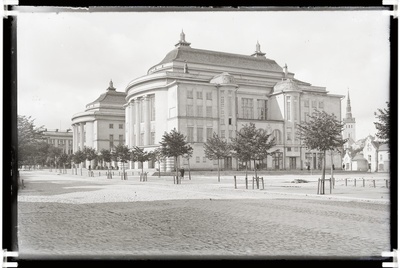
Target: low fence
255,181
109,174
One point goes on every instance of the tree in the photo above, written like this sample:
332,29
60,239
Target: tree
90,154
216,148
63,159
105,156
121,154
252,143
78,157
322,132
54,154
139,155
158,157
173,144
383,124
28,138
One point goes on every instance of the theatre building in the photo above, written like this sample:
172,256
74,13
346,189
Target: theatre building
200,92
102,124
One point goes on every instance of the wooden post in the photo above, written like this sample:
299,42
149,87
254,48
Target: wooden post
355,182
234,179
363,182
246,182
330,185
346,181
319,180
333,183
258,182
262,180
253,182
373,182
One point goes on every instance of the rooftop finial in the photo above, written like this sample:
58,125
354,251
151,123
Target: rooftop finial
182,41
111,86
285,69
258,52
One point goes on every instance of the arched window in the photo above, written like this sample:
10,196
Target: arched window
277,135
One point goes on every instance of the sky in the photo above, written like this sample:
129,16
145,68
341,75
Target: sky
66,59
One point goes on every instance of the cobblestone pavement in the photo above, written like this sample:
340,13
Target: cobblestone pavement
266,225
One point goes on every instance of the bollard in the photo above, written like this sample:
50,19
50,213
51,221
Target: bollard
363,182
262,180
355,182
346,181
234,179
319,181
246,182
374,183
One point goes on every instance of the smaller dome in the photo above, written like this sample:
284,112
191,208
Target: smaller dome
286,85
223,78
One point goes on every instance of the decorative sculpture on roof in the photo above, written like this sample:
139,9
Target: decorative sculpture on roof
182,41
258,52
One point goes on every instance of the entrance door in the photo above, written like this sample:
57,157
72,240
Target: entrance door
292,162
228,163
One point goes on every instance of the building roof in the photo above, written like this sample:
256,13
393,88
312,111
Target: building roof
111,96
201,56
384,147
358,157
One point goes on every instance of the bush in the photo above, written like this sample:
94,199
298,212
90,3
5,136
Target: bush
299,181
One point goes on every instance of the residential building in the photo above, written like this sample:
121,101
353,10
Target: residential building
60,139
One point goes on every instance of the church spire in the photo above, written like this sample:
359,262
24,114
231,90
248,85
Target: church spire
258,52
182,42
348,107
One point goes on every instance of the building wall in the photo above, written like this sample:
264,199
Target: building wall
383,161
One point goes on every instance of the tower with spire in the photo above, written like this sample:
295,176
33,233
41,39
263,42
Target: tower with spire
349,121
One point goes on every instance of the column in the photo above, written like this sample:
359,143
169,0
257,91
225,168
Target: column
137,111
127,125
132,124
146,114
75,138
82,134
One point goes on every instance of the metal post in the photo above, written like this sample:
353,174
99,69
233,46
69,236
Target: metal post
234,179
246,183
363,182
319,180
253,182
346,181
262,180
355,182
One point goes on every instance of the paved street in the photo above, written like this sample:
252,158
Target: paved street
72,215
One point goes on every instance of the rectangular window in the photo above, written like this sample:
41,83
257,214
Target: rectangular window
121,139
261,109
321,104
314,104
190,134
141,142
111,126
295,108
200,110
189,110
111,141
190,94
199,95
289,134
222,121
288,110
296,149
247,108
229,103
208,111
121,126
306,116
199,134
204,159
289,149
307,103
208,95
152,107
197,159
152,138
230,121
209,133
